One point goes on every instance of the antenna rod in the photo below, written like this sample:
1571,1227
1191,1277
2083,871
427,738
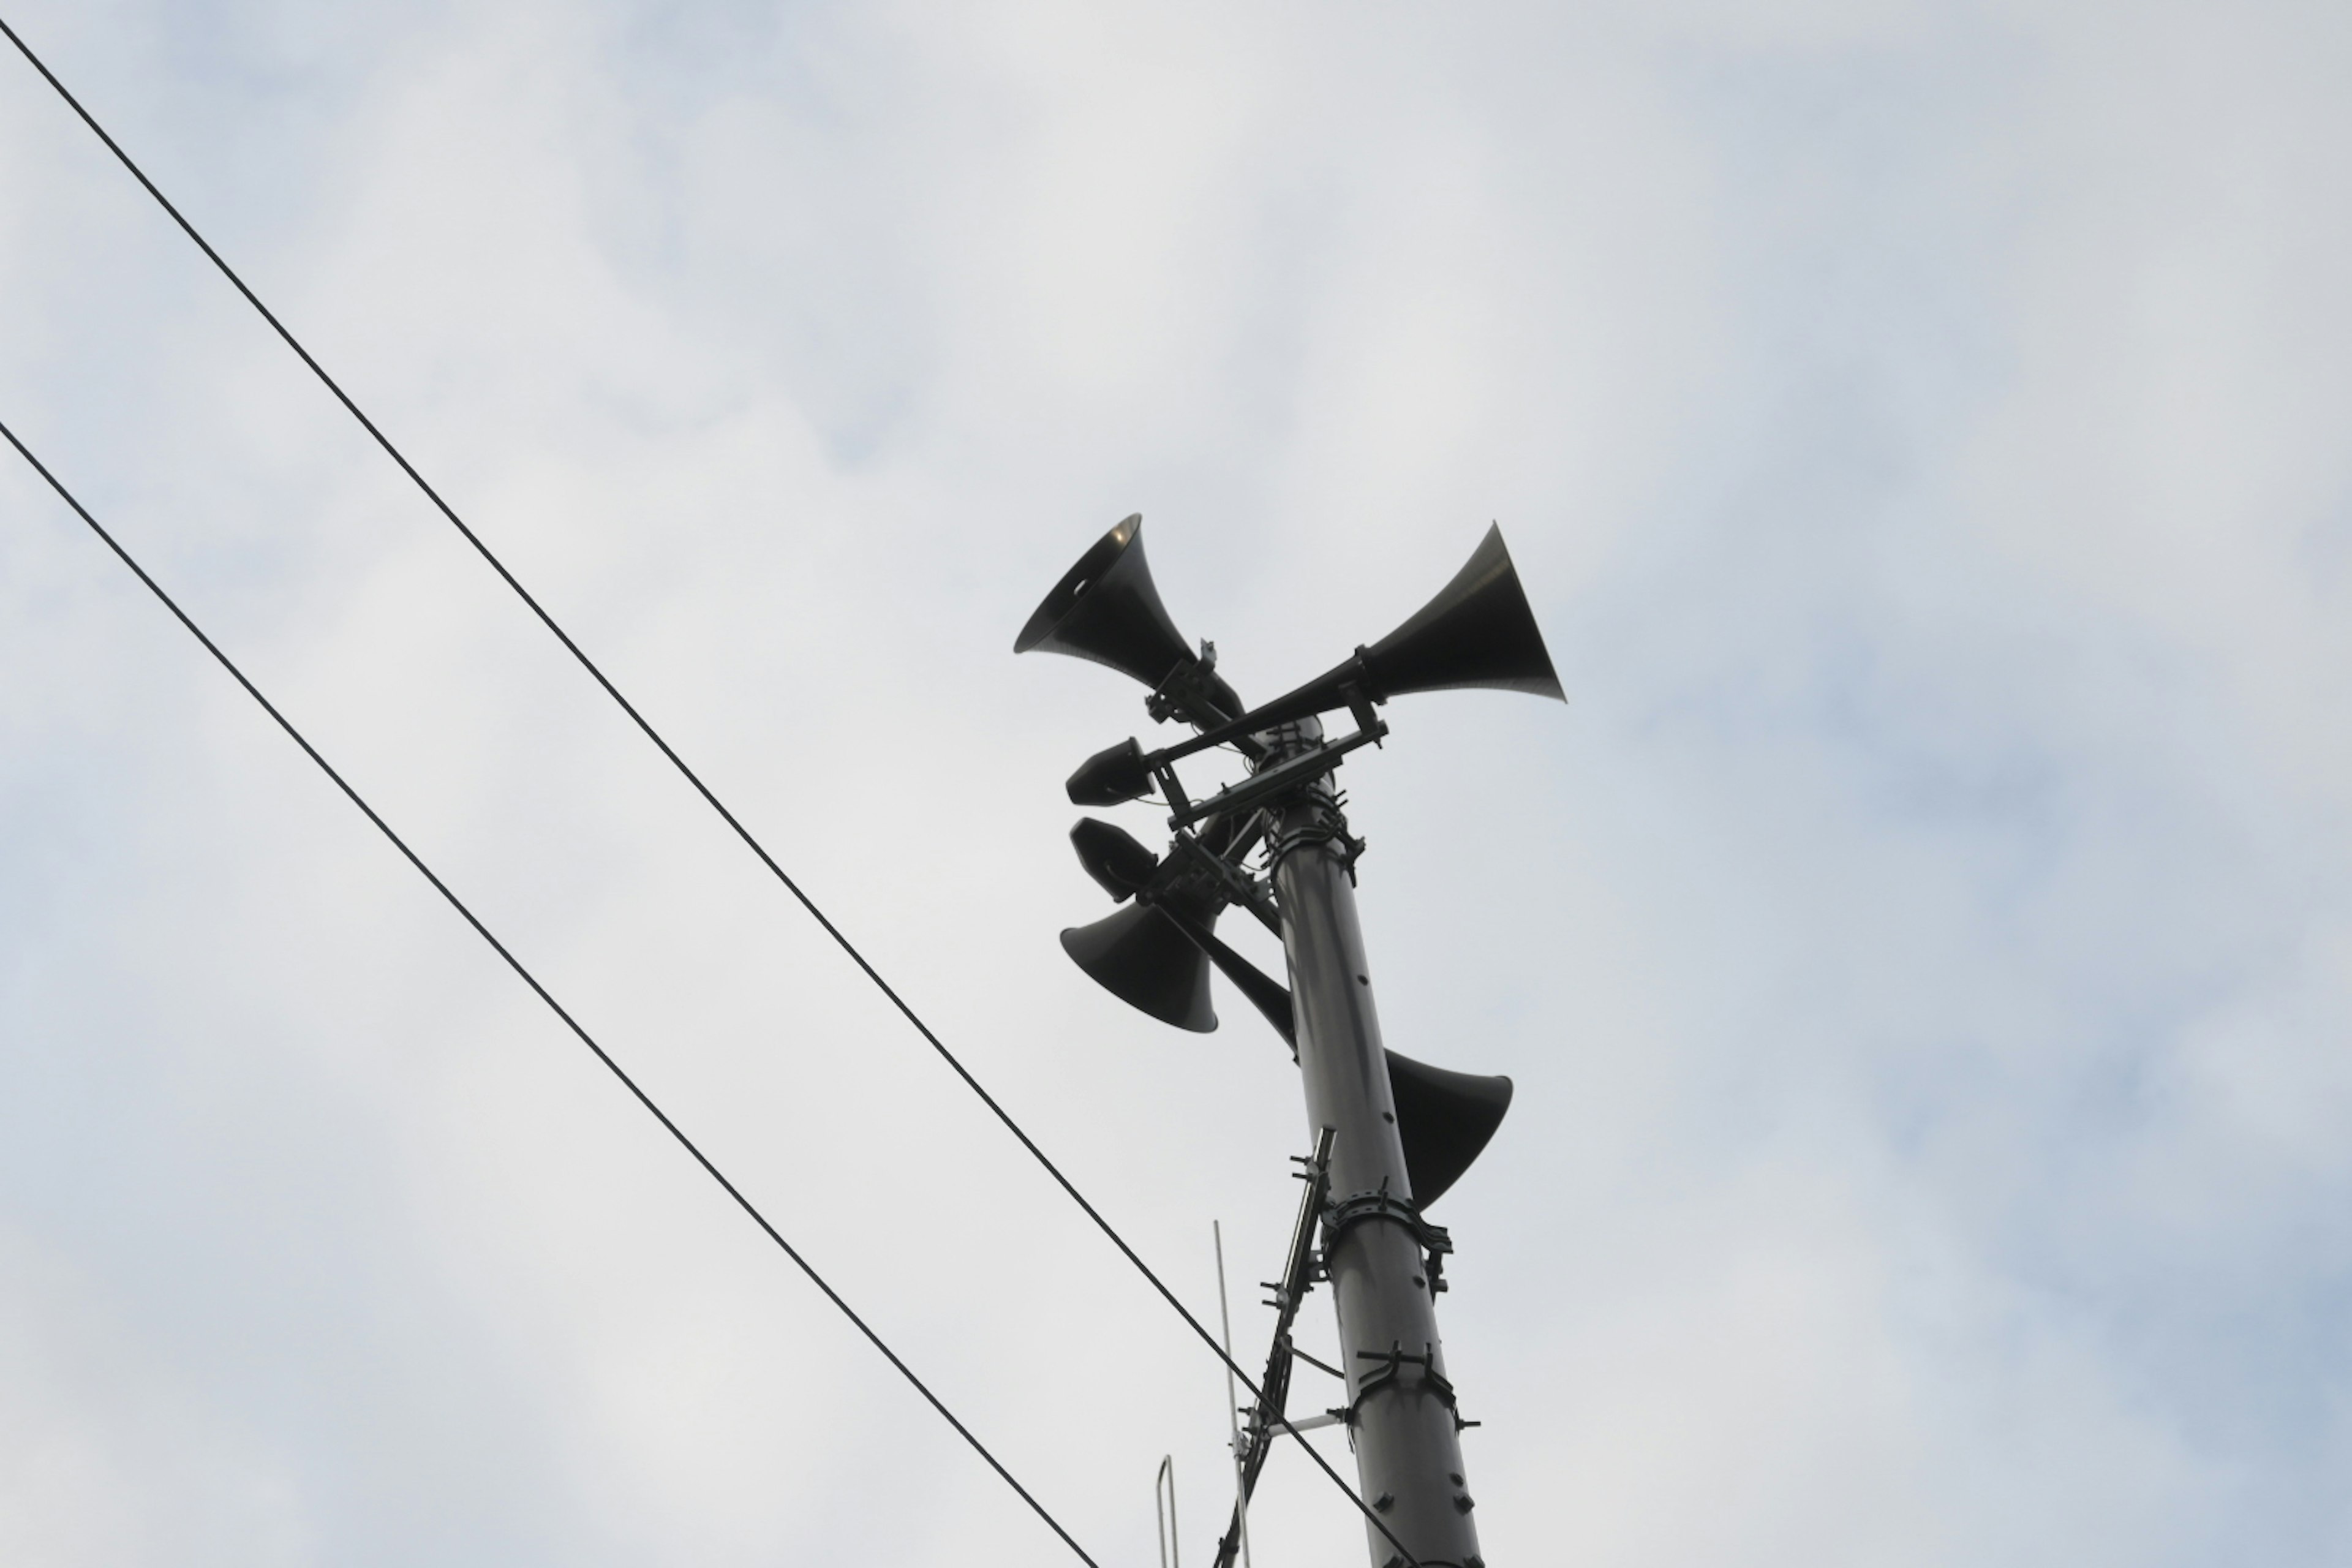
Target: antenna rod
1163,1507
1233,1408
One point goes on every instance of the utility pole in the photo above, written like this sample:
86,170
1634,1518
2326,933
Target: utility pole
1406,1430
1390,1134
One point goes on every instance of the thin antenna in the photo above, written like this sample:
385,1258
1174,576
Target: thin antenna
1233,1407
1164,1504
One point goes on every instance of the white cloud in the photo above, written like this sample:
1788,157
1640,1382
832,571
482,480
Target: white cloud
1919,948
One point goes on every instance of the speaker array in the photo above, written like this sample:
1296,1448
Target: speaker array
1156,953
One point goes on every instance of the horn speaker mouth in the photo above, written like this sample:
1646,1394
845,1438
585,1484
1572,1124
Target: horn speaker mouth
1090,570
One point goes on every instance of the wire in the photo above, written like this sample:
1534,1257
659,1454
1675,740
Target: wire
843,941
545,995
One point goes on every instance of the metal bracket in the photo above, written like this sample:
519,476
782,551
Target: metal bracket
1181,687
1318,1365
1332,827
1361,1209
1336,1417
1394,1360
1265,1419
1171,789
1237,885
1276,779
1359,701
1192,693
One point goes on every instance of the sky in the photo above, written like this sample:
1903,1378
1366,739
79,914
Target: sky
1922,946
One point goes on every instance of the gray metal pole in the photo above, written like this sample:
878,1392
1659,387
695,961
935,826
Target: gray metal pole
1405,1431
1232,1414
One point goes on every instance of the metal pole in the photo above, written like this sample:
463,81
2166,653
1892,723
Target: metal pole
1405,1430
1233,1410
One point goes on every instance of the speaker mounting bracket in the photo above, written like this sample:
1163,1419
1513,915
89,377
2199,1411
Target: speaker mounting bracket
1268,783
1237,885
1193,691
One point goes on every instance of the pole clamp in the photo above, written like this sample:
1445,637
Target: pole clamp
1329,827
1393,1361
1193,691
1362,1208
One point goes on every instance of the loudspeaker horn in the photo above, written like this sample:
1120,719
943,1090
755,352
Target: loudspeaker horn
1147,961
1107,609
1477,632
1444,1120
1264,993
1156,958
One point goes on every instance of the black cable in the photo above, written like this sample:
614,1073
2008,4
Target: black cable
680,762
545,995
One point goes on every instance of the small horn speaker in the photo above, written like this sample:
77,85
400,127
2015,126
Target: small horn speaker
1444,1120
1147,961
1112,857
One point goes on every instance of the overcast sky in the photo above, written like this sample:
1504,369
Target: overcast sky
1922,946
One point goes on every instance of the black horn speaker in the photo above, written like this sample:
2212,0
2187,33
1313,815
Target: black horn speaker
1119,864
1107,608
1478,631
1267,994
1146,960
1443,1118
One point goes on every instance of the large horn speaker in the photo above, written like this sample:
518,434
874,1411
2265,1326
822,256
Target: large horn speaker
1147,961
1478,631
1265,993
1107,608
1443,1118
1156,958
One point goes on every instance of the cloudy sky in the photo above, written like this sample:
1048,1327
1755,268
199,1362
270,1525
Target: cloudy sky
1922,946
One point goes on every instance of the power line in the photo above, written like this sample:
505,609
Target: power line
545,995
842,941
